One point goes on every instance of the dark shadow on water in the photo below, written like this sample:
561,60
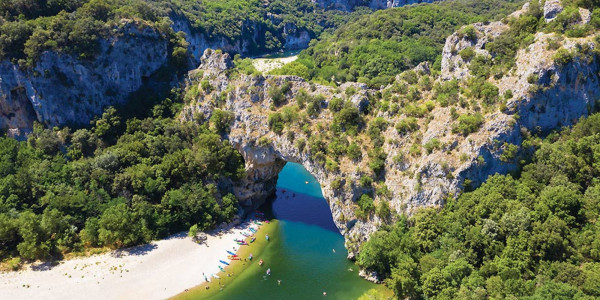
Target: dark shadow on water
293,206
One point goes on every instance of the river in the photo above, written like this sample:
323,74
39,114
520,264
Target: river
302,255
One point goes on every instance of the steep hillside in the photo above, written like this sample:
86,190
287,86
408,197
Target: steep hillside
63,63
417,141
376,47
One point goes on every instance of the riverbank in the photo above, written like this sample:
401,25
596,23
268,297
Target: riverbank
264,65
157,270
236,267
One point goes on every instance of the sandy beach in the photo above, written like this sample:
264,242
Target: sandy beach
264,65
157,270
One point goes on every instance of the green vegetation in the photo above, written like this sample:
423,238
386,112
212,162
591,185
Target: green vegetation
76,26
468,124
375,47
115,184
531,237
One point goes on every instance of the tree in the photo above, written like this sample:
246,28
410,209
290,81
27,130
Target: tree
221,120
118,227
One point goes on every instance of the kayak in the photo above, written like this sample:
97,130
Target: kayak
221,268
253,230
233,257
231,253
224,262
252,240
215,276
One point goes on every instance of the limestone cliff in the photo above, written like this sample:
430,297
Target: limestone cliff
422,168
62,89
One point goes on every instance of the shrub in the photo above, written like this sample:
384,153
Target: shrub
383,210
467,54
336,184
432,145
407,125
353,151
468,124
206,86
336,104
509,153
365,205
276,122
469,32
331,165
563,57
264,141
300,144
366,181
221,120
277,95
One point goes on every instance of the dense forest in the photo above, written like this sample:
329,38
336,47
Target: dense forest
27,28
376,47
116,184
533,236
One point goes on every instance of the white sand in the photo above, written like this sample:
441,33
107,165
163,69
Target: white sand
265,65
157,270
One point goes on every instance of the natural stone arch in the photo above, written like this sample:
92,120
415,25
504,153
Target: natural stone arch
425,179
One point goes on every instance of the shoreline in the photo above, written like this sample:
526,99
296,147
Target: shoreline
158,270
235,268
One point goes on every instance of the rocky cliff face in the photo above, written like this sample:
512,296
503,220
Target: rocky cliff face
546,95
62,89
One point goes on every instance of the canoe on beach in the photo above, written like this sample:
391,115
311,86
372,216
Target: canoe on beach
224,262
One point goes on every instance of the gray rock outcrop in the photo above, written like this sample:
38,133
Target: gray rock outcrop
546,95
62,89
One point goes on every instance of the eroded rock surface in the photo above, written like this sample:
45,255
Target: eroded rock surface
557,94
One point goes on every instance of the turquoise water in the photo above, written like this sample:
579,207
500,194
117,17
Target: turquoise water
302,255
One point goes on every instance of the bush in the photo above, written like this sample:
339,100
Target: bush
206,86
275,121
277,95
562,57
469,32
467,54
222,120
468,124
365,205
432,145
353,151
407,125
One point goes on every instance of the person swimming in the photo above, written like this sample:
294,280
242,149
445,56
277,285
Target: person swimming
269,271
278,281
260,262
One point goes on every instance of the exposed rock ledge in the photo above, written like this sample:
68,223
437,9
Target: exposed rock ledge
564,94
